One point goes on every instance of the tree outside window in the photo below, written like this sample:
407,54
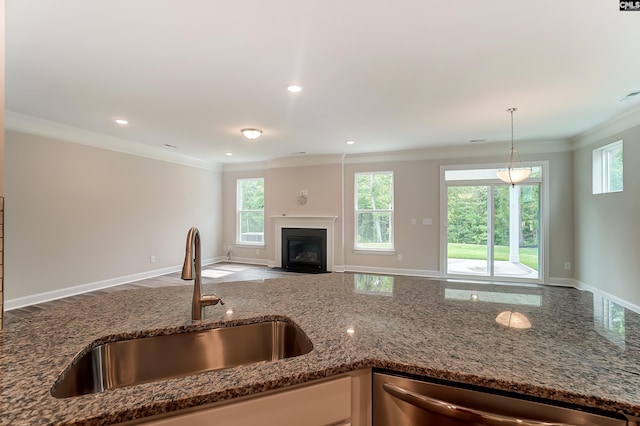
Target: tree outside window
250,211
607,168
374,211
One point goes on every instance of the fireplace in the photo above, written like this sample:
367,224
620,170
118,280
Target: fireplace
304,250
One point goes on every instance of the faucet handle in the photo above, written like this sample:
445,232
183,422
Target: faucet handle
211,299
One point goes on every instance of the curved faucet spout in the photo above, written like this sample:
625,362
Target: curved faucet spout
192,260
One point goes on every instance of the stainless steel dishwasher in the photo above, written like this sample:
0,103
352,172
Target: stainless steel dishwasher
401,401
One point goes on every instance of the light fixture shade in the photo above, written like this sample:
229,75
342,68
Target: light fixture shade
513,319
513,175
251,133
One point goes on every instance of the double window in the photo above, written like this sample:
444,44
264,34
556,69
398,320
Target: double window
607,168
250,211
374,211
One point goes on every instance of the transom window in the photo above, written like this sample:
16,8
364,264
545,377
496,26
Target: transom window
374,211
250,211
607,168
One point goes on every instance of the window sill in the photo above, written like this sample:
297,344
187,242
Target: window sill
384,252
250,245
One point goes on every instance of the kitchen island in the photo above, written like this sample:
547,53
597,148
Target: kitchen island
572,353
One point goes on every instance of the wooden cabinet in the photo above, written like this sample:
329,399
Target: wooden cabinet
344,400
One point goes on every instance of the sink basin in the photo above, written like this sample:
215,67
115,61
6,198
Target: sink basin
148,359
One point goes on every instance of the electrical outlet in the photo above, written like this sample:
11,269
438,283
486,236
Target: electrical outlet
427,221
413,220
152,259
399,258
567,266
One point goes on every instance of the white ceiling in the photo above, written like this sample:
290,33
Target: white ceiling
398,75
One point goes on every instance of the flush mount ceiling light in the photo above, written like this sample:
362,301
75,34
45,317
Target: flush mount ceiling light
121,121
511,174
350,142
294,88
251,133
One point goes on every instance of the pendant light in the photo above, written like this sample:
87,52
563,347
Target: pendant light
511,174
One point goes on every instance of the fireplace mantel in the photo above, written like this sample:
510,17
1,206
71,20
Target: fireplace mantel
319,222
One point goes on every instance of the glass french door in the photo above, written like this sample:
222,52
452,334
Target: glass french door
493,230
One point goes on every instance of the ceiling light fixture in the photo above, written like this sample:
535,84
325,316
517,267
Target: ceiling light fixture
228,154
251,133
294,88
511,174
350,142
121,121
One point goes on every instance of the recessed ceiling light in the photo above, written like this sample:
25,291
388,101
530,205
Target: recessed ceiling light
294,88
350,142
251,133
121,121
229,154
168,145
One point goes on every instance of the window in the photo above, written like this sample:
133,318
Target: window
250,211
374,211
607,168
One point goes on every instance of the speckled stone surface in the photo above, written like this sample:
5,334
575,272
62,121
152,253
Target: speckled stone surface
420,326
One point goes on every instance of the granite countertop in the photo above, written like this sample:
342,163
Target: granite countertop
572,353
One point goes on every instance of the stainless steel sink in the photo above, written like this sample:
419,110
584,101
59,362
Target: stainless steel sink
147,359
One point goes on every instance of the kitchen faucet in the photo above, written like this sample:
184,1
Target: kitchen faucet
192,260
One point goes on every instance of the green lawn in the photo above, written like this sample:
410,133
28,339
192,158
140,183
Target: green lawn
528,256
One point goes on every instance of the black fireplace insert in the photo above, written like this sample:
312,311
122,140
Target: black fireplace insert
304,250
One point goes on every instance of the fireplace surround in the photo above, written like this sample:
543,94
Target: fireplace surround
295,221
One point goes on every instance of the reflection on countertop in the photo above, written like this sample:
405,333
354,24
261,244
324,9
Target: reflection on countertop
578,349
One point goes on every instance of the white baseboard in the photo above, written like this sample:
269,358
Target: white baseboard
20,302
249,261
562,282
615,299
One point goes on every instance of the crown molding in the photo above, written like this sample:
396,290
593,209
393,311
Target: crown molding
306,160
284,162
37,126
470,150
620,123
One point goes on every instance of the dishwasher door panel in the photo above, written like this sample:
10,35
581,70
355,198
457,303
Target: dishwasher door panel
400,401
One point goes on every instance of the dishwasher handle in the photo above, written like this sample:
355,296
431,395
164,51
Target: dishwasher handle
460,412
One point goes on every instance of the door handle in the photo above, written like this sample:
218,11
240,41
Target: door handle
461,412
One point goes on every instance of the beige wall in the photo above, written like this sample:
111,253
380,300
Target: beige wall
607,233
282,186
79,215
417,195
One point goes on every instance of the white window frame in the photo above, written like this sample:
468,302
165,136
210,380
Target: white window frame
239,212
602,168
356,247
472,180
